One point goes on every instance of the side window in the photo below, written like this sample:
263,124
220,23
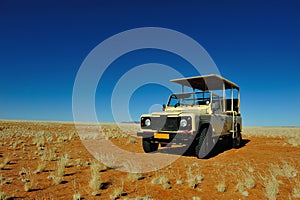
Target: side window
216,104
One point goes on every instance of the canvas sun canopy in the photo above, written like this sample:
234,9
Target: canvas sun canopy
207,82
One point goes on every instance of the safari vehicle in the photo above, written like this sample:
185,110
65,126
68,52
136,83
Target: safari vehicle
196,119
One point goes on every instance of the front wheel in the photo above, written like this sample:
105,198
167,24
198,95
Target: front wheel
149,146
204,143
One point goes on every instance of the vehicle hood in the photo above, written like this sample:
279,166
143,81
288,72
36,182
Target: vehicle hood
176,112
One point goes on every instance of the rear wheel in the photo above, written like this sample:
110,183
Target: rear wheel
149,146
237,142
205,143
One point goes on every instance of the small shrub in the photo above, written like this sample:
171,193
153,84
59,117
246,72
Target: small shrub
3,196
6,161
95,181
221,187
196,198
41,167
155,180
60,169
2,166
79,163
132,140
28,181
296,189
289,170
56,179
23,171
118,191
61,164
271,187
161,179
241,188
249,180
135,176
193,179
285,170
28,187
76,196
166,186
249,168
107,160
39,139
294,141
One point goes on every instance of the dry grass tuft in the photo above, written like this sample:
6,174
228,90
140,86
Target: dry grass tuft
132,140
272,132
95,181
135,176
286,169
77,196
108,160
296,189
196,198
249,180
56,179
242,189
40,168
271,186
161,179
221,186
4,196
133,171
62,163
29,183
193,179
5,162
294,141
118,191
39,139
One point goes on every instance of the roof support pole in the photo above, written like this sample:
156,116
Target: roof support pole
232,99
224,98
182,91
194,97
239,97
233,115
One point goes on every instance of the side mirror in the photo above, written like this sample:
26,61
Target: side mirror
164,107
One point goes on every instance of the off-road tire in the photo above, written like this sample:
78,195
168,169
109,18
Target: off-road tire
237,142
204,142
149,146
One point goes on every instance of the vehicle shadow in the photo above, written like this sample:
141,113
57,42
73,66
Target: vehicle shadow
220,147
225,145
181,150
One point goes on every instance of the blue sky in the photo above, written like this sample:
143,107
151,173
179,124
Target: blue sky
43,43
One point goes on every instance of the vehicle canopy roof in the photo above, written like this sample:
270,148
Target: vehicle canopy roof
207,82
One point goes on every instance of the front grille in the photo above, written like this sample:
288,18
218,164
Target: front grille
164,123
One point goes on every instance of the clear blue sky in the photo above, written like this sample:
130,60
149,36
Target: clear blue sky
43,43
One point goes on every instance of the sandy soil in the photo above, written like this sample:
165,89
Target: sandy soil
250,172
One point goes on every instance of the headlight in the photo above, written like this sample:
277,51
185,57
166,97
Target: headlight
147,122
183,123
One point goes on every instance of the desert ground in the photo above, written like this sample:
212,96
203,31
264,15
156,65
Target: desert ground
48,160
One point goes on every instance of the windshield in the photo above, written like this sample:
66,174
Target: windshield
189,99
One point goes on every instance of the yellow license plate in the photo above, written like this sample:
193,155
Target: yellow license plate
161,136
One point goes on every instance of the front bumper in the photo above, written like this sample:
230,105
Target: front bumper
172,136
